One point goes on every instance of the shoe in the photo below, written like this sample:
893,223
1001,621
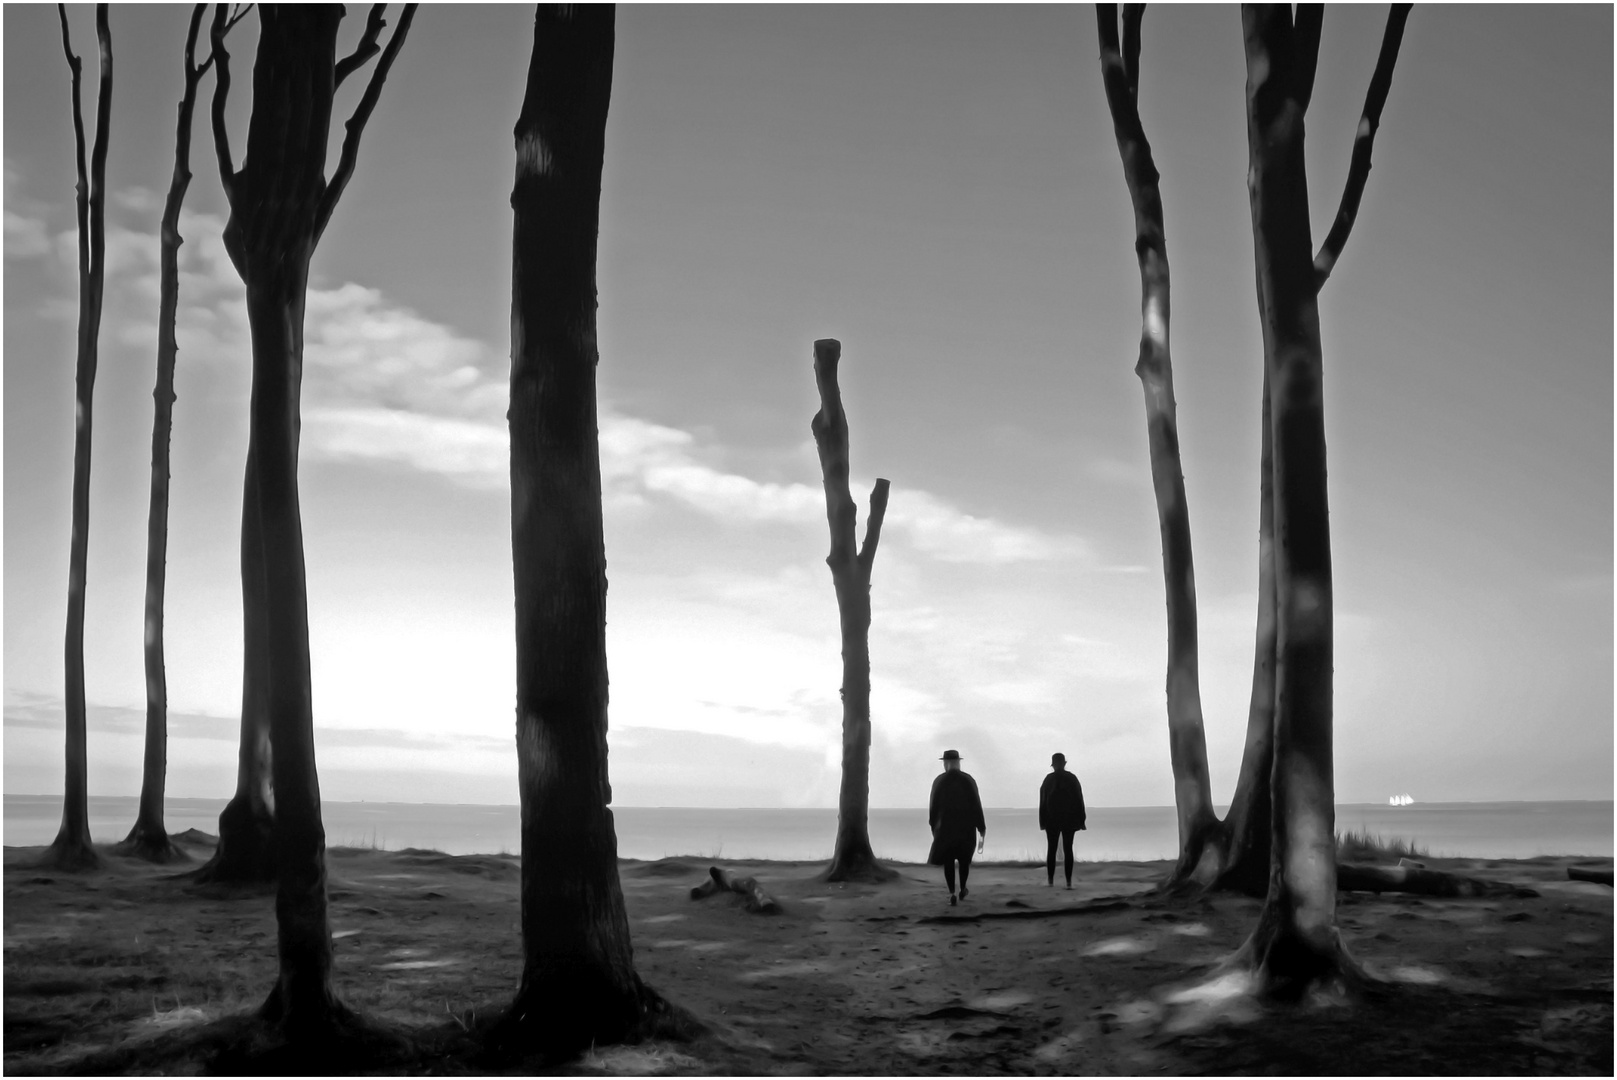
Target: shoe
1069,884
951,900
962,892
1049,883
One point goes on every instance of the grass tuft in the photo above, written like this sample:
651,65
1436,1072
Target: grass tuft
1355,844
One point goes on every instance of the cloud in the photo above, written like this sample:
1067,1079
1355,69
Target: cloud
26,237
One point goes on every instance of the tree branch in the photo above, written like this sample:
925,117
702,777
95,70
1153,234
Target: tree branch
1305,50
367,46
221,92
356,123
878,511
98,151
1363,142
76,67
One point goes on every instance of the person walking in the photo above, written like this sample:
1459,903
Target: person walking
956,817
1061,813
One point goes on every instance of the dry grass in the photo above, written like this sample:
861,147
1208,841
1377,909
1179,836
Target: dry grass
1357,846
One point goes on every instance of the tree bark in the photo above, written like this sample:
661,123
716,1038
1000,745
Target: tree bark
71,850
280,202
1200,832
579,984
149,837
851,858
1296,942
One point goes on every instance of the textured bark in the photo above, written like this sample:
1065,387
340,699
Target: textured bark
71,850
149,838
579,985
280,202
1200,832
1296,942
851,858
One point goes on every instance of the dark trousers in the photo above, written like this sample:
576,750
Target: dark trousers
1065,837
964,858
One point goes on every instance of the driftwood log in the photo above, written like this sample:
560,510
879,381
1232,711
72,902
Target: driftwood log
1599,877
721,880
1412,877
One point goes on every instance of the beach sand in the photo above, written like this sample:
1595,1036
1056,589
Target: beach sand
126,970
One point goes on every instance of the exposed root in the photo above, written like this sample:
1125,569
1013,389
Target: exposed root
553,1027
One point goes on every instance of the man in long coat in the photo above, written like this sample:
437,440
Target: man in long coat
1061,813
956,816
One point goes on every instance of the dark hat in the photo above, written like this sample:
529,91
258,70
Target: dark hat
1058,759
950,755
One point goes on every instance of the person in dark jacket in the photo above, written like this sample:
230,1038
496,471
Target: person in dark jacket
1061,813
956,817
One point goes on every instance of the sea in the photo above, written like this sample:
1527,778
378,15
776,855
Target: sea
1494,830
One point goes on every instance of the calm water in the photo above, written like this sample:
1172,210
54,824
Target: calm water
1483,830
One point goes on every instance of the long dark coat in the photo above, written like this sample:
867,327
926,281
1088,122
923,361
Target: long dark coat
1061,803
956,816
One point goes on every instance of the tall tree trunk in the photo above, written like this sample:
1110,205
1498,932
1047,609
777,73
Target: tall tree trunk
71,850
1296,942
1249,821
149,838
1200,833
852,858
579,984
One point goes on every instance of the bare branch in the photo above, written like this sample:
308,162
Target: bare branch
1363,142
221,92
1132,14
237,16
197,73
82,194
356,123
878,511
1305,50
367,46
98,151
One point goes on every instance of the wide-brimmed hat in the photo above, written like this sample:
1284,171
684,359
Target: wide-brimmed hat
950,755
1058,759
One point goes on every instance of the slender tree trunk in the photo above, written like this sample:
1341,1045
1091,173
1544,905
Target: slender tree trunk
1200,833
71,850
1250,819
579,984
1296,942
149,837
852,858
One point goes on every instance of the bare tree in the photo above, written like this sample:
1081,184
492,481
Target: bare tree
852,858
1234,853
280,203
579,983
149,838
71,850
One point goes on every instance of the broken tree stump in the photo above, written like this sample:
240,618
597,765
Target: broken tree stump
720,880
1411,877
1599,877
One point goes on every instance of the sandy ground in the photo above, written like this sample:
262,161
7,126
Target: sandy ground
115,971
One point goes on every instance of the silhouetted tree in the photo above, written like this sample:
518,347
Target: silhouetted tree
149,838
1234,853
579,983
851,858
71,850
280,203
1296,942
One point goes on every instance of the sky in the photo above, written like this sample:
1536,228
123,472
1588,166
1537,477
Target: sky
939,188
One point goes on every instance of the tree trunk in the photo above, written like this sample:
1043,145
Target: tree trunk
1296,942
1249,821
579,984
852,858
1200,833
71,850
149,838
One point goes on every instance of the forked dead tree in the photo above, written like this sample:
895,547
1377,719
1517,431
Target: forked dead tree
280,203
579,984
1234,853
149,837
71,850
852,858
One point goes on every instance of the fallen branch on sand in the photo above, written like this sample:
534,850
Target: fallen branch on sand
1092,907
721,880
1599,877
1414,878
